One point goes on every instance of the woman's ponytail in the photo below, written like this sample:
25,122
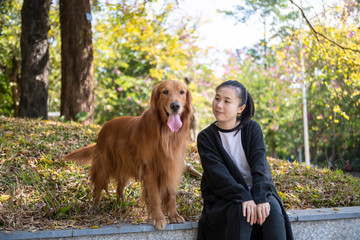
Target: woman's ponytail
249,110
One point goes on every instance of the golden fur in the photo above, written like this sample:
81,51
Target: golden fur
145,149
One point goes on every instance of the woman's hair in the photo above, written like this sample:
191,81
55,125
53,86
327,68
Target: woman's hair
245,98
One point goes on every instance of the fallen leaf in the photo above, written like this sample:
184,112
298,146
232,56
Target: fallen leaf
4,198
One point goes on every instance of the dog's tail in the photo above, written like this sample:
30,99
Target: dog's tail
82,156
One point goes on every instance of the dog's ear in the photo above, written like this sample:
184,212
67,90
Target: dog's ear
188,102
154,97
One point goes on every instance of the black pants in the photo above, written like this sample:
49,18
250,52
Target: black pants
272,229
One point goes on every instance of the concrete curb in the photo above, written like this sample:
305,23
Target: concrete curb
124,228
186,230
324,214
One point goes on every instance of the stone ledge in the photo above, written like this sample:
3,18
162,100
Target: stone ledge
324,214
322,223
125,228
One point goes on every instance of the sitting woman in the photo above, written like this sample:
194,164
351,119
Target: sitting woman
240,199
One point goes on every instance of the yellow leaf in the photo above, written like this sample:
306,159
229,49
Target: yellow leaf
4,198
94,227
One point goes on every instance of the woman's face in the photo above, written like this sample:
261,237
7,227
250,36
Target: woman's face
226,107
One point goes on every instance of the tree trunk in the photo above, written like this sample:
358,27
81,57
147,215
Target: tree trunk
77,83
35,59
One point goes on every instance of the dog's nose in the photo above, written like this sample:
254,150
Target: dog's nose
175,106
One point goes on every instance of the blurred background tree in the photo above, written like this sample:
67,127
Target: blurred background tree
34,80
77,61
331,53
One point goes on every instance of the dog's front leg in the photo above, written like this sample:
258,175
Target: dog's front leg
174,216
154,201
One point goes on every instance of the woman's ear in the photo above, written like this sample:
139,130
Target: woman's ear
242,108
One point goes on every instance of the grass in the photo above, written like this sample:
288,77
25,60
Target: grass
38,191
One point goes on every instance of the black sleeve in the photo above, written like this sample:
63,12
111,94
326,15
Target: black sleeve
218,177
260,170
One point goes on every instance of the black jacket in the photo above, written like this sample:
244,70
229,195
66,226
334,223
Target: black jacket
223,187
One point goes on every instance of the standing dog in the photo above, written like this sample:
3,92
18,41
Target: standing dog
149,148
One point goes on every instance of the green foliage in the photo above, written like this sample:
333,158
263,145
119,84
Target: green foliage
10,31
55,58
277,100
277,17
141,48
136,44
81,116
6,101
331,72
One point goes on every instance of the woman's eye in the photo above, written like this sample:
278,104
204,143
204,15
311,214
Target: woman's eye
166,92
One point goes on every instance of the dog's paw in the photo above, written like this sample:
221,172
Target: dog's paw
159,224
176,218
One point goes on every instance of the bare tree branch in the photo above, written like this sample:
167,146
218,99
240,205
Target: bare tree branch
320,34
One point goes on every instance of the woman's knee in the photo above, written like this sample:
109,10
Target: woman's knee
274,225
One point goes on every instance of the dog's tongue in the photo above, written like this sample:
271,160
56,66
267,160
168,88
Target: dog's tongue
174,122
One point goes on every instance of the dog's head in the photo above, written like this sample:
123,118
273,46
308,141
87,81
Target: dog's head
172,102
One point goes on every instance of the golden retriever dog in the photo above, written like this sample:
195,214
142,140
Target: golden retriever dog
149,148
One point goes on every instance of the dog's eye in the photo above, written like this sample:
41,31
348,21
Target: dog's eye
182,92
165,92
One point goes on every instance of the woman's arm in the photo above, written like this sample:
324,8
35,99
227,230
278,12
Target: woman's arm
260,169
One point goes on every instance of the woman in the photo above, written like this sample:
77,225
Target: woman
240,199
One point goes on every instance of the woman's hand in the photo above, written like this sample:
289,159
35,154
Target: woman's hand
263,211
249,211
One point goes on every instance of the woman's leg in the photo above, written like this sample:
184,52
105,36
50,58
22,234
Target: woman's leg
237,228
245,228
274,226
